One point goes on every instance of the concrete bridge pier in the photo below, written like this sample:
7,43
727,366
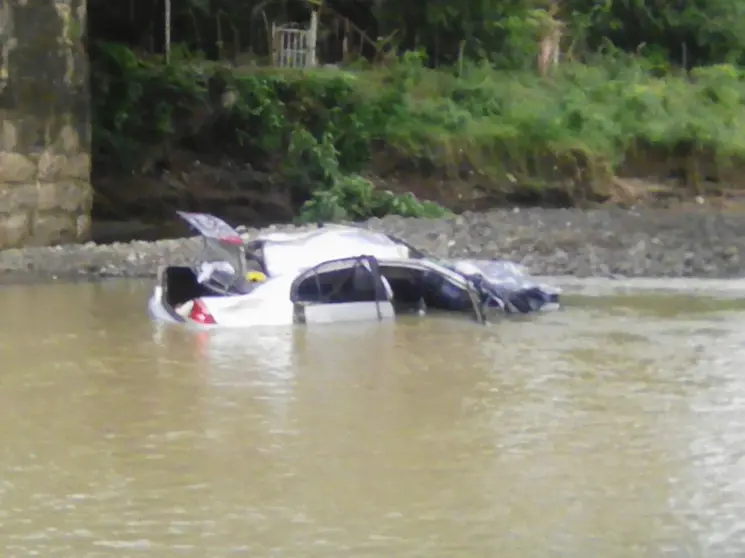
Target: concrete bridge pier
45,189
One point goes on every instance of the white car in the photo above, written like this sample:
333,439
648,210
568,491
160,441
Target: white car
330,274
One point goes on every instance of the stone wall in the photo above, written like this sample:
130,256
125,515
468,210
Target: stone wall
45,190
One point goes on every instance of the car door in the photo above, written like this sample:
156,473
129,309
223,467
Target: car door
341,290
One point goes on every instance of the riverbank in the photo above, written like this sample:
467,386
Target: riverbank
556,242
353,143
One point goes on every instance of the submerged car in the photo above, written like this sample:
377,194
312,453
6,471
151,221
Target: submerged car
334,273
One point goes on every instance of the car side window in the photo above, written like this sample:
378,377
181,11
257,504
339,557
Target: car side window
340,281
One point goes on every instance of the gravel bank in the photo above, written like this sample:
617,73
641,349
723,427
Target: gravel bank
598,243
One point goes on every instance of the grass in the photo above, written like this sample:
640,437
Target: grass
584,121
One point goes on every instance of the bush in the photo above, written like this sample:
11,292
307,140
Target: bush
315,130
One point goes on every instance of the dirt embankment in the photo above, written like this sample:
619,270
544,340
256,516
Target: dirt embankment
141,205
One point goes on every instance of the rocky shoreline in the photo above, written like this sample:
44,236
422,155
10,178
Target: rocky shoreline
550,242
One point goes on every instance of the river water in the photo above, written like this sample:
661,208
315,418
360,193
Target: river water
615,427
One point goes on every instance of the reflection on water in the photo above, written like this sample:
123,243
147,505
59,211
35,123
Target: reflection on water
612,428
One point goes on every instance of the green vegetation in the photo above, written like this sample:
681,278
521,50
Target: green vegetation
313,130
452,106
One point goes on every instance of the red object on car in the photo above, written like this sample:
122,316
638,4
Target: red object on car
200,314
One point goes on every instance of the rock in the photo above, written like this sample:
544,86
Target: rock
53,229
16,169
67,197
50,166
14,230
18,198
602,243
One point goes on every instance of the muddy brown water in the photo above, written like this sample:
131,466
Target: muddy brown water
615,427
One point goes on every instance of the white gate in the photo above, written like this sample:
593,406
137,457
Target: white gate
293,47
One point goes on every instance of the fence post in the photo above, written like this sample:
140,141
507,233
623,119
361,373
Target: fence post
167,18
312,38
273,44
